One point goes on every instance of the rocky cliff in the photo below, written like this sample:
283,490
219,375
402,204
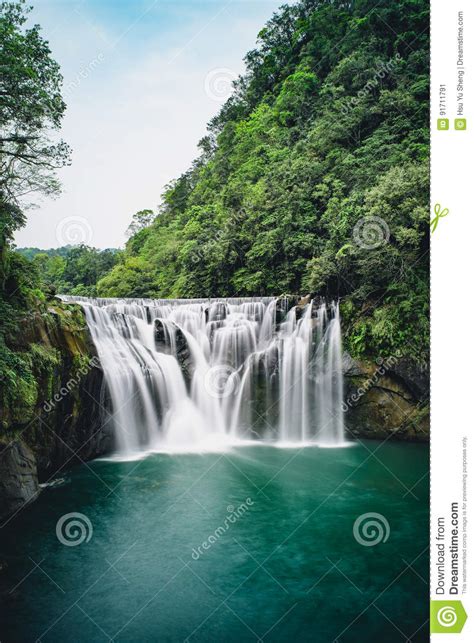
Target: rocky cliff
386,398
51,419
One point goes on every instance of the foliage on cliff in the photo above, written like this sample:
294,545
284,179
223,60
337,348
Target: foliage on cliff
313,177
31,108
33,352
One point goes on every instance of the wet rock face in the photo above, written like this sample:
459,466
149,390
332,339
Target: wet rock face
167,334
283,305
386,399
62,423
18,477
416,379
71,429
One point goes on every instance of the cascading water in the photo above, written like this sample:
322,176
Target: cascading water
200,374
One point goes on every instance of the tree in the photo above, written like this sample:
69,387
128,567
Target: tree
71,269
140,220
31,107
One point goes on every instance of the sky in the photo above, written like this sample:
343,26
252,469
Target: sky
141,80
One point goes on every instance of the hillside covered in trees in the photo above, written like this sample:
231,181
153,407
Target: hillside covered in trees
70,270
312,178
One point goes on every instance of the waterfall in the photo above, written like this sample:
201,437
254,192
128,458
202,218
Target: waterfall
201,374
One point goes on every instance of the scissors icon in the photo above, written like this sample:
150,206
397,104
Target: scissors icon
438,215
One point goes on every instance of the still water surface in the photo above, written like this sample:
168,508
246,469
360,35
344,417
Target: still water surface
163,560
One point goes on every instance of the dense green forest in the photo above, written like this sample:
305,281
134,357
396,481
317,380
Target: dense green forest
72,270
313,178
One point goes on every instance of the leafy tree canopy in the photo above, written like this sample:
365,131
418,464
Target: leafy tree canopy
140,220
71,269
31,108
